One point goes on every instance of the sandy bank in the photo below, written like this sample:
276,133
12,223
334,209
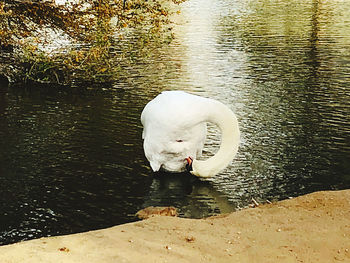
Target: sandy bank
311,228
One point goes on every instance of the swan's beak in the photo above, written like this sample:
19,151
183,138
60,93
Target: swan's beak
189,164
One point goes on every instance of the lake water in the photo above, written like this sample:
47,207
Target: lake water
71,160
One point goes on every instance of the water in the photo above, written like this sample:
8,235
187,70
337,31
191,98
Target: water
71,160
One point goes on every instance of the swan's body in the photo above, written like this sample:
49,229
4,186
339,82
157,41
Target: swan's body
175,128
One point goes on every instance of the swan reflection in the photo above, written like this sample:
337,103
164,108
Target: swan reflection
193,197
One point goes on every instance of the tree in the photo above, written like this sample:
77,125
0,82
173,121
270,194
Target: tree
90,33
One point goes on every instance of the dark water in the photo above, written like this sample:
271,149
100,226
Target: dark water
71,160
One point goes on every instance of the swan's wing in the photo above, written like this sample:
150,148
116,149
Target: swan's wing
173,130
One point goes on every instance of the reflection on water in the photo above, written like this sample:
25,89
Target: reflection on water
72,160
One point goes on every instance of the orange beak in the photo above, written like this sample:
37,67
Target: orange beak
189,164
189,160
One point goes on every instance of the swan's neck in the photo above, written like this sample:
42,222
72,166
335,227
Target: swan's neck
225,119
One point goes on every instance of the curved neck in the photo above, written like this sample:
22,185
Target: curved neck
226,120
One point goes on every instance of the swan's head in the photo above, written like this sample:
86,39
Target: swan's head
207,168
198,168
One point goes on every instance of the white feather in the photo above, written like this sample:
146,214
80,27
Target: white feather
175,128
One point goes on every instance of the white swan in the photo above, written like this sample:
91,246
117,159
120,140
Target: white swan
174,131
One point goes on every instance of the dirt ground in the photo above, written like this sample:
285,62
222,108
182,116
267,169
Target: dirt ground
311,228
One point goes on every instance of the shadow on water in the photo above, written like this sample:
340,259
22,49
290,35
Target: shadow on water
194,197
65,159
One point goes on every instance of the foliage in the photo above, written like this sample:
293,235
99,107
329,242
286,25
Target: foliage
95,30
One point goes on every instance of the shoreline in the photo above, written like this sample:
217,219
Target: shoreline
309,228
